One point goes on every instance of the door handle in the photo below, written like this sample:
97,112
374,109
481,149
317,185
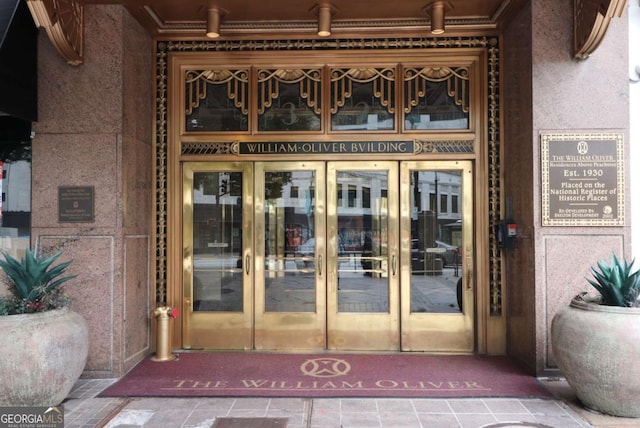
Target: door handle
393,265
469,278
247,264
320,265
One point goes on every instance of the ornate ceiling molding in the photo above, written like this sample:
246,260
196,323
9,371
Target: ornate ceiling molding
183,28
590,23
63,22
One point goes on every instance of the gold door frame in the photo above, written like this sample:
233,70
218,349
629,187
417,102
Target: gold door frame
439,332
208,329
482,146
290,330
371,331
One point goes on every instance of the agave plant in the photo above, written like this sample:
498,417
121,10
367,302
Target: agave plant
617,285
35,283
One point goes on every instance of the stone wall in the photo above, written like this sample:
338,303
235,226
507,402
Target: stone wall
548,91
94,129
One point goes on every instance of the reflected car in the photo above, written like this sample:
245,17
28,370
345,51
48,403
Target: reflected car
451,254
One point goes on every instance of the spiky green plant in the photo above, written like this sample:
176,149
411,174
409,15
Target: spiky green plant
617,285
35,283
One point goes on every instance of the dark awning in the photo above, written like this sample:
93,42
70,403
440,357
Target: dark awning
18,61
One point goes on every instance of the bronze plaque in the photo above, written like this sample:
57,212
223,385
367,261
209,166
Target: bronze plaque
75,204
582,180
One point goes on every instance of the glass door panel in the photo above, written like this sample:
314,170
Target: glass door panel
309,256
290,264
216,247
437,260
362,255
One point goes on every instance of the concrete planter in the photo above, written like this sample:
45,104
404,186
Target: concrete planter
43,355
597,349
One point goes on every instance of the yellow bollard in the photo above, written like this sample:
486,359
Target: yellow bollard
163,343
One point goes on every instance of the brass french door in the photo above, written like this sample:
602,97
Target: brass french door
437,286
290,248
217,280
316,255
363,262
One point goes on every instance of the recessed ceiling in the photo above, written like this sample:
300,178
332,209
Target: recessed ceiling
243,17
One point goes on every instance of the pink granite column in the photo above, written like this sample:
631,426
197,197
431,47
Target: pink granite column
546,90
94,130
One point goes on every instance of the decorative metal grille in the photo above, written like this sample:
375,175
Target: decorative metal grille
237,82
342,85
210,148
489,43
416,85
453,146
269,87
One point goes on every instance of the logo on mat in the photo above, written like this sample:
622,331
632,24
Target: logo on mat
325,367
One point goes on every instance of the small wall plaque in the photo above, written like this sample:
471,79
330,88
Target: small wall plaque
582,179
76,204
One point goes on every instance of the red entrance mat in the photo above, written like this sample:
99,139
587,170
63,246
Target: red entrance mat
254,374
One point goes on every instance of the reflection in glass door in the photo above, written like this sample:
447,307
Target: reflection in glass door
290,293
217,271
307,256
437,252
362,219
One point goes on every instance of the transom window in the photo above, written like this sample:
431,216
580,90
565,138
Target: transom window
394,98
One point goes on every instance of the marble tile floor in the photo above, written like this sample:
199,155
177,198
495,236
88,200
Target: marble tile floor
84,409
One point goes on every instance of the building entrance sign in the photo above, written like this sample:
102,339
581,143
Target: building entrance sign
332,147
582,180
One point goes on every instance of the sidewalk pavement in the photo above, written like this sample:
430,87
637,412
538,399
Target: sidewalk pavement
84,409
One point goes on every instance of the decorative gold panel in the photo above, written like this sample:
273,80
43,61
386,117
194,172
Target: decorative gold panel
269,86
494,185
342,85
416,85
209,148
447,146
237,82
217,100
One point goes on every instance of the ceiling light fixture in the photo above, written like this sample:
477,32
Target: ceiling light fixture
325,12
324,21
213,22
437,10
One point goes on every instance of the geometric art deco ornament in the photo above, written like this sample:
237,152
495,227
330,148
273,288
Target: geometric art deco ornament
63,22
416,78
590,23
